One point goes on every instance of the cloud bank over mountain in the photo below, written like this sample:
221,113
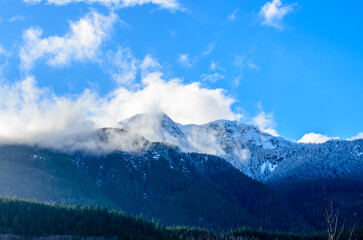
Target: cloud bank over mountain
33,115
39,115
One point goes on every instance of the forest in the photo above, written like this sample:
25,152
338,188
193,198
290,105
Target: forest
194,190
32,219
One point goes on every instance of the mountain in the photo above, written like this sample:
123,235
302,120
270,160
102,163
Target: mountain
257,154
73,223
161,182
219,175
157,127
46,176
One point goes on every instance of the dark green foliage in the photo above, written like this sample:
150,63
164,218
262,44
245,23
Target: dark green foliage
30,218
46,176
248,233
189,189
175,188
310,197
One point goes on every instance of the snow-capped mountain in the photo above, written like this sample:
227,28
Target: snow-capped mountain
256,153
127,168
327,160
157,127
244,146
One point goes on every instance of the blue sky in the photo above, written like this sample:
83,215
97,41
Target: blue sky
289,67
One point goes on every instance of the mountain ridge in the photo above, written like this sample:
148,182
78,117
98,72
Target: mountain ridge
279,184
252,151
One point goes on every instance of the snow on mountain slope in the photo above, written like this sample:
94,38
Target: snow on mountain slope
254,152
328,160
244,146
157,127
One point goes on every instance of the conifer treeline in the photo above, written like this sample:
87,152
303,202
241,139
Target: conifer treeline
30,218
21,217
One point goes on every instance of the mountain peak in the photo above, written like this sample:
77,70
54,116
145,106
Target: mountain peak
156,127
150,115
150,121
252,151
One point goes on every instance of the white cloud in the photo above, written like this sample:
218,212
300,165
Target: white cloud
123,66
16,18
356,137
253,66
237,80
32,1
266,123
315,138
213,66
148,65
214,77
239,61
233,15
242,62
81,43
33,115
188,61
2,51
215,74
29,114
184,103
272,13
184,60
209,49
3,59
168,4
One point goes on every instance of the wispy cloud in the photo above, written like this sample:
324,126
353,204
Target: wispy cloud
213,77
122,66
242,61
232,17
252,65
214,74
272,13
4,55
209,49
315,138
149,65
266,122
215,66
185,60
2,51
16,18
81,43
167,4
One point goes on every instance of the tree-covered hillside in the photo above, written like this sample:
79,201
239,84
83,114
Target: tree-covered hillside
32,219
173,187
162,183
